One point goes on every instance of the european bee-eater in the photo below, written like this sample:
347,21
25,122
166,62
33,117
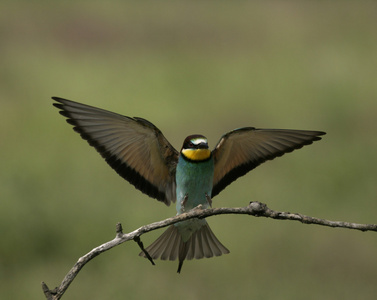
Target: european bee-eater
138,151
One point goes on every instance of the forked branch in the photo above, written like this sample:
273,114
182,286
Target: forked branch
256,209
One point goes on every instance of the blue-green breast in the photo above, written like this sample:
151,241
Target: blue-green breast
194,179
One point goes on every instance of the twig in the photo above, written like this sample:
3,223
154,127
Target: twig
256,209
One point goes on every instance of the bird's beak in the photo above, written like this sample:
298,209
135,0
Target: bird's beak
203,146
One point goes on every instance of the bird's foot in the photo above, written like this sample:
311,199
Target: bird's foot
209,200
200,206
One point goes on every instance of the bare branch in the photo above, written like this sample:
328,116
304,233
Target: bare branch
256,209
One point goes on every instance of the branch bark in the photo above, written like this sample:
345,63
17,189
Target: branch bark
256,209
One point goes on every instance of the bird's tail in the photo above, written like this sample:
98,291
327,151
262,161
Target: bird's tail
201,243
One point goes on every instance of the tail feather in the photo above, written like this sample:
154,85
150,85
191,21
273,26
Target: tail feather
214,243
199,251
170,249
183,251
207,248
164,246
170,246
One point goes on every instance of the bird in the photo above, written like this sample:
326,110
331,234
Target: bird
138,151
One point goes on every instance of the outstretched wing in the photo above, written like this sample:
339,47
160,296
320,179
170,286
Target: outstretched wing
241,150
133,147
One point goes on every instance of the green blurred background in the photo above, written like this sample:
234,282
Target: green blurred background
189,67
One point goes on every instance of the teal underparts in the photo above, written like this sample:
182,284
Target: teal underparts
194,181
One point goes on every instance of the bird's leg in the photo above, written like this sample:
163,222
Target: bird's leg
183,202
209,200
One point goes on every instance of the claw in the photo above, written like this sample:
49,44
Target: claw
183,202
209,200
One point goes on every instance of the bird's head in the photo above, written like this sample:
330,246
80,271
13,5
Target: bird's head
195,148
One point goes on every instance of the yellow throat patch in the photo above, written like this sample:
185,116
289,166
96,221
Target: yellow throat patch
197,154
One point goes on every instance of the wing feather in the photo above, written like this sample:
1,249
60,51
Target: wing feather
241,150
133,147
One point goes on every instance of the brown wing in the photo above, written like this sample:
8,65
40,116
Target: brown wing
133,147
241,150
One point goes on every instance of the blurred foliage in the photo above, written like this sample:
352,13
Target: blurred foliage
189,67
